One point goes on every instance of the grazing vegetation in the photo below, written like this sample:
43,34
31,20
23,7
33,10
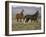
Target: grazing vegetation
25,26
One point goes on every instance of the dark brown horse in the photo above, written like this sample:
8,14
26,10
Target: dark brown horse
32,17
19,16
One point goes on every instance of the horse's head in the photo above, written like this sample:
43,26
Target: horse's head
22,11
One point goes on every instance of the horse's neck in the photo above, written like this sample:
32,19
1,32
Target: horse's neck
36,14
21,12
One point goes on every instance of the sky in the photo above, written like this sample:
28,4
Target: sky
27,10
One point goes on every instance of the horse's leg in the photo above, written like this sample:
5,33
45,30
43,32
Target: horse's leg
20,20
27,20
37,21
34,20
31,20
23,19
17,19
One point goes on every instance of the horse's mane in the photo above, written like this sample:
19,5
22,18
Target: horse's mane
36,14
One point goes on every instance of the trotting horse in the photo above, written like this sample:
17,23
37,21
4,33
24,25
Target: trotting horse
19,16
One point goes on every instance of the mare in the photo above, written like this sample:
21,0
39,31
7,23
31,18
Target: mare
32,17
19,16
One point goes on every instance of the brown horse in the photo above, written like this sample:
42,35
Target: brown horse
19,16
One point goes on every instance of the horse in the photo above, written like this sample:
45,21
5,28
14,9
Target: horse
20,16
31,17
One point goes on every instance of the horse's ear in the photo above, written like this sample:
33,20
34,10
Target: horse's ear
22,9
